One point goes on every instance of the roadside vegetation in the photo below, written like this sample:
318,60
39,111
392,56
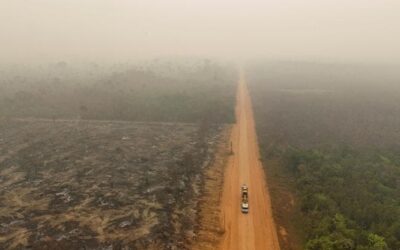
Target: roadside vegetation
333,129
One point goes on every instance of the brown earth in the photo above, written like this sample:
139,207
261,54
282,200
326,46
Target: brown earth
210,231
255,230
101,185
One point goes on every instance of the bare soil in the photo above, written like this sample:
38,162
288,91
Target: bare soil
102,185
210,230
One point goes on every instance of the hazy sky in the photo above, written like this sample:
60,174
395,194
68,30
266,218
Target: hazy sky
97,30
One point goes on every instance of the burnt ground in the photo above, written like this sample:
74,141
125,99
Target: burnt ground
101,185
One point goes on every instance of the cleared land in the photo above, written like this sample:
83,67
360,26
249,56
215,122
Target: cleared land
210,230
113,156
92,184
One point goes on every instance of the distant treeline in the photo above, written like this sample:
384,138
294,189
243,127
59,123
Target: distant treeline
322,104
335,129
159,91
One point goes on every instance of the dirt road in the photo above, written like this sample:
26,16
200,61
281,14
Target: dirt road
255,230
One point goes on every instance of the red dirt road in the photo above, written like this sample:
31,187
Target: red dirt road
255,230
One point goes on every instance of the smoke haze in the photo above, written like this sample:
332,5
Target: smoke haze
105,30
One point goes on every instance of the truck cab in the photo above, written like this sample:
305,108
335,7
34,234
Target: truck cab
245,199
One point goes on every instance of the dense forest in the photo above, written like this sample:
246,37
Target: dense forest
334,129
160,90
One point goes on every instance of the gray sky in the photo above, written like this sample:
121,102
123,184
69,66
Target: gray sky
121,30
